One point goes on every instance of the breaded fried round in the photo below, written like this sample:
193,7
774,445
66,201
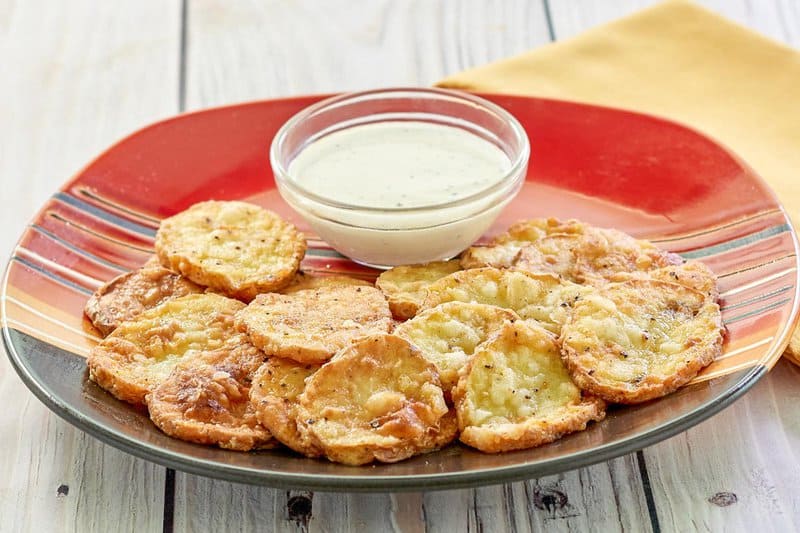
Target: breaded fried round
310,326
554,254
404,286
545,298
573,250
515,393
641,339
235,248
602,253
378,399
203,403
274,391
304,281
692,274
503,250
449,333
128,295
141,353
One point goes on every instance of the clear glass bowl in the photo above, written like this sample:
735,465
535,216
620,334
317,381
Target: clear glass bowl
384,237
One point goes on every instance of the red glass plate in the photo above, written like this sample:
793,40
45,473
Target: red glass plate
649,177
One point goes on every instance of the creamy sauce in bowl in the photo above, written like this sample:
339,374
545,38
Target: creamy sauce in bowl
399,164
400,176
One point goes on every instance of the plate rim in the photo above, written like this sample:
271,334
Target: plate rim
411,482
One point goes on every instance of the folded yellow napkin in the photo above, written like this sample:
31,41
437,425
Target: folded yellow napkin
682,62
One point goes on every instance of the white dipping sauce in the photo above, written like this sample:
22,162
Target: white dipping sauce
386,167
399,165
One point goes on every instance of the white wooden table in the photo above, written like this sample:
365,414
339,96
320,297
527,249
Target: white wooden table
75,76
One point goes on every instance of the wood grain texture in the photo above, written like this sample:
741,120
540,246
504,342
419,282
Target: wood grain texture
738,470
778,19
76,76
248,50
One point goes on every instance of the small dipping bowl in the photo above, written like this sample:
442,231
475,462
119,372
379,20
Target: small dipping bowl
386,236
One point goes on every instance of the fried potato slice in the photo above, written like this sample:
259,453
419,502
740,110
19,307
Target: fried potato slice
542,297
274,391
503,250
449,333
207,400
304,281
602,253
692,274
235,248
378,399
573,250
640,339
310,326
404,286
515,393
555,254
128,295
141,353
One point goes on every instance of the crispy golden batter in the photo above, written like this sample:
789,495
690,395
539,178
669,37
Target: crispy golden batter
141,353
274,391
404,286
128,295
542,297
310,326
503,250
449,333
516,393
575,251
378,399
640,339
204,403
554,254
303,281
235,248
602,253
692,274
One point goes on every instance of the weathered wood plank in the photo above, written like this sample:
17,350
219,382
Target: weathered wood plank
248,50
739,468
76,76
778,19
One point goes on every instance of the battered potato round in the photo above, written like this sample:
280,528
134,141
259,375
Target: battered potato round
274,391
640,339
209,403
503,250
235,248
693,274
602,253
310,326
575,251
554,254
128,295
140,354
404,286
449,333
516,393
542,297
303,281
378,399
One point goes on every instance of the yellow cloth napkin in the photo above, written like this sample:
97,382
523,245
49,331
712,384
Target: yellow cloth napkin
682,62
